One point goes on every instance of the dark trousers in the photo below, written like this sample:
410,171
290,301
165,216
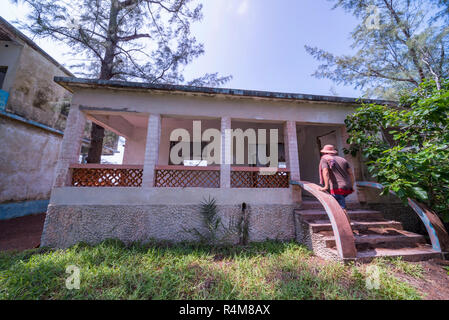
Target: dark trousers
341,199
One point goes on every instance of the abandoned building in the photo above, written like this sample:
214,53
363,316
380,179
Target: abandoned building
150,197
31,122
33,113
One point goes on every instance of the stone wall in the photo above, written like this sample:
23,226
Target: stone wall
68,225
314,241
27,161
142,214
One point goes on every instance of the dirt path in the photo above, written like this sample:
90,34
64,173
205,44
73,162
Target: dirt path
21,233
435,281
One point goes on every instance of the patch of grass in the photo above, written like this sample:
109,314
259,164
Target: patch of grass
447,269
389,285
414,270
269,270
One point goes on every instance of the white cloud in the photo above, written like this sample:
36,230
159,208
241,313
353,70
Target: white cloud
243,8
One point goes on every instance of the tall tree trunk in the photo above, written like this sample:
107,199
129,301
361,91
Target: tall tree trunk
96,144
106,73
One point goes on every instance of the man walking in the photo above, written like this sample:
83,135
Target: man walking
336,175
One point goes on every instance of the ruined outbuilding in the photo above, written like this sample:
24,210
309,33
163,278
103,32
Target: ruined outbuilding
33,115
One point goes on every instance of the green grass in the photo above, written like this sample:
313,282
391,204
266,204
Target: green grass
269,270
412,269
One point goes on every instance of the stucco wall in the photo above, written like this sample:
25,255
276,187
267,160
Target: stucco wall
27,161
212,106
162,196
135,147
9,57
29,154
34,95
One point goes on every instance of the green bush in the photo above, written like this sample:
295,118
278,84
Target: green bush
406,147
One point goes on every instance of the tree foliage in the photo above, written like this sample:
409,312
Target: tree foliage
398,43
124,39
407,146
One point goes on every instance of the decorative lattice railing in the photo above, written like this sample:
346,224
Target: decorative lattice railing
98,175
183,177
250,177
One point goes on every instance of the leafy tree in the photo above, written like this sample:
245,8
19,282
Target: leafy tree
399,44
407,146
123,39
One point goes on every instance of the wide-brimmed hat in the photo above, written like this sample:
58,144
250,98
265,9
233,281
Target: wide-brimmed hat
329,149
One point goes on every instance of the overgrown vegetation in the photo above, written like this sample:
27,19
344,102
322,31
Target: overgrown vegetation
407,147
270,270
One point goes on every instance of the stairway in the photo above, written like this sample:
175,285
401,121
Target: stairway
374,235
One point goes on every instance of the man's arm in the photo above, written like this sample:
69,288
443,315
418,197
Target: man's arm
326,179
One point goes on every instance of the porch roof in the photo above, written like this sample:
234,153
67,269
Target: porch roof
71,83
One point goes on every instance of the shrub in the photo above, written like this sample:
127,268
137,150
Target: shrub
407,147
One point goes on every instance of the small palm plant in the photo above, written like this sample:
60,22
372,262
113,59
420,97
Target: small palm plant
216,232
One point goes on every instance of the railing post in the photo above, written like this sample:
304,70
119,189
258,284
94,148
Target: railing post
151,150
70,147
225,166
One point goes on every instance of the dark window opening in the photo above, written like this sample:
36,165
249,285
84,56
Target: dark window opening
3,71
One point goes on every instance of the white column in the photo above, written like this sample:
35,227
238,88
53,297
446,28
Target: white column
225,168
291,149
151,150
70,149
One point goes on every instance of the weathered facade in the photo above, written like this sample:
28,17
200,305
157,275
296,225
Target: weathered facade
33,112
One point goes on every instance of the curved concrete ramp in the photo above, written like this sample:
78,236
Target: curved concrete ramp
344,237
434,226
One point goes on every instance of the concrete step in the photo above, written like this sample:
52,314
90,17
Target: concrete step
361,215
382,238
375,236
325,225
311,204
413,254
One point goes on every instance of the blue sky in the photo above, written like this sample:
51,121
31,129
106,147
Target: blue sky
259,42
